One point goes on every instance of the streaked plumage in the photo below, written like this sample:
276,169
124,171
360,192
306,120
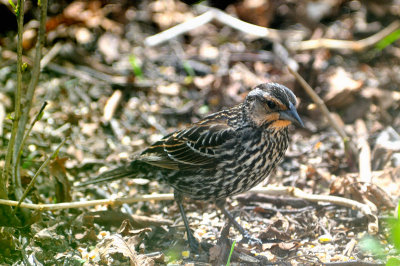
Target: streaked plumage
225,153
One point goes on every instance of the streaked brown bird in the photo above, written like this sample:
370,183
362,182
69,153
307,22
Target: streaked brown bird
224,154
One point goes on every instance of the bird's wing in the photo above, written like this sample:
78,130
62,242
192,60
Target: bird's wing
195,147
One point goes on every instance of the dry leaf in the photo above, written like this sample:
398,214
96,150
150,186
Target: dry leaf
62,185
342,89
115,244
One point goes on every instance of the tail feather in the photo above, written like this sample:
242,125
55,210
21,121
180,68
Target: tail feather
115,174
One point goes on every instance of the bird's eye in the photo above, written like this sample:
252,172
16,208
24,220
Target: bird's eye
271,104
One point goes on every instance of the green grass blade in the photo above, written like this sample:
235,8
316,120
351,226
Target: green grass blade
230,253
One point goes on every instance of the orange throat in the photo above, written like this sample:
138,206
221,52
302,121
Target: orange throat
279,124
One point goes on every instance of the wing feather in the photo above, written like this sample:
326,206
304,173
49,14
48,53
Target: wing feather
195,147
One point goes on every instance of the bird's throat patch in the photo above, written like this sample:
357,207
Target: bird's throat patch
279,124
273,119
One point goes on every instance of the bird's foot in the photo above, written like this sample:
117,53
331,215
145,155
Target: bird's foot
193,243
252,241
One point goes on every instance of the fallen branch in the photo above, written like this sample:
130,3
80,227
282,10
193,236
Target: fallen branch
357,46
111,105
222,17
81,204
51,54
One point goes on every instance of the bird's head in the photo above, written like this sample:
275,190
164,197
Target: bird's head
272,105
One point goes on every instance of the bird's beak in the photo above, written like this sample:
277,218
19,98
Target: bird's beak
291,115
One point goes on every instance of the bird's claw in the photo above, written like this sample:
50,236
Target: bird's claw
252,241
193,244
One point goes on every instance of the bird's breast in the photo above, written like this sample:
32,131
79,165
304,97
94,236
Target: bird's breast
257,157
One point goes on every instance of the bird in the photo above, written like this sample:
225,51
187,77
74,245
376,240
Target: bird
223,154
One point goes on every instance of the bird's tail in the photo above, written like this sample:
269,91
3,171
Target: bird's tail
115,174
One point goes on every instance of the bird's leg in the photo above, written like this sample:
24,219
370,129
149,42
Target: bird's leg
193,243
246,236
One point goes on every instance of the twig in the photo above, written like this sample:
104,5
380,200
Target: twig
50,55
222,17
373,226
179,29
349,146
263,32
29,94
80,204
44,164
292,66
111,105
357,46
365,152
92,76
17,180
319,102
72,72
17,110
6,218
2,116
350,247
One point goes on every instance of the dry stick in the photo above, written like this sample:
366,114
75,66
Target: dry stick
50,55
359,45
179,29
320,103
29,95
365,152
272,34
21,146
11,144
81,204
92,77
348,250
2,116
292,66
111,105
222,17
373,226
44,164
